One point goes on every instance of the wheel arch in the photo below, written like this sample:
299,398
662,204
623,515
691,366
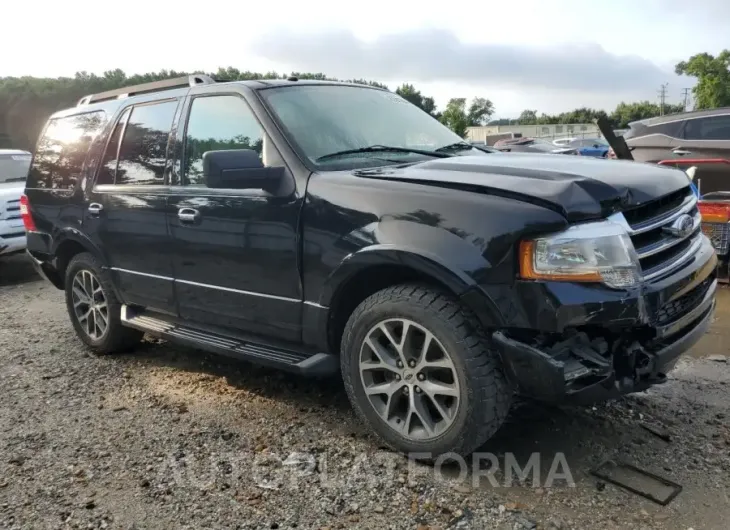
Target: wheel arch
68,244
380,266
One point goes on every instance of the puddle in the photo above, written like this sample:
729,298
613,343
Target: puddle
717,339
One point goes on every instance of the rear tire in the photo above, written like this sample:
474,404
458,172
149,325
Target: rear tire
94,308
437,413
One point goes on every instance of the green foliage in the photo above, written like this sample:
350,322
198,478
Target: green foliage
409,93
457,117
454,116
713,78
528,117
624,114
480,110
26,102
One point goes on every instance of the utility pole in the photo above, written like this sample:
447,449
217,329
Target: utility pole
662,98
685,98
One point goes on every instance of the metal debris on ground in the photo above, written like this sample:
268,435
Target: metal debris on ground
638,481
657,431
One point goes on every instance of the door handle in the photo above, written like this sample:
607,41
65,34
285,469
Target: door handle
681,152
188,215
95,208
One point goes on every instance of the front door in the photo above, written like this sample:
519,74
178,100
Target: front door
234,250
126,208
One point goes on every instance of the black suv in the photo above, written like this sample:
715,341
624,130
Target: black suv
335,228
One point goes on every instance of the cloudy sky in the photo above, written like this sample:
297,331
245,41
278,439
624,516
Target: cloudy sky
546,55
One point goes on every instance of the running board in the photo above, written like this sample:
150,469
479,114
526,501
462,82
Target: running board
163,326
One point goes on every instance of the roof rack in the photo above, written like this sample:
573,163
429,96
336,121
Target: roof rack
145,88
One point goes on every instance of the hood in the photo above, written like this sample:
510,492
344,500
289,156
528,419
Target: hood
579,188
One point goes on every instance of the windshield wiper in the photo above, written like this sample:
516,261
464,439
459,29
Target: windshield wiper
17,179
458,146
383,149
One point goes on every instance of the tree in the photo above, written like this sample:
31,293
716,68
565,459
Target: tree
454,116
528,117
457,118
625,113
713,78
409,93
26,102
480,111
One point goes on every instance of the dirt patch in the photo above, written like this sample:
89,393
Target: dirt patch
169,437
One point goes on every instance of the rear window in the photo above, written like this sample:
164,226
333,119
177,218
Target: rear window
14,167
143,151
62,150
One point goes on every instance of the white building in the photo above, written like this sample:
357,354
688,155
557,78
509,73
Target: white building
576,130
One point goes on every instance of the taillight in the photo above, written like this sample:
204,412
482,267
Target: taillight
25,214
714,212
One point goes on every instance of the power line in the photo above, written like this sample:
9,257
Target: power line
662,98
685,98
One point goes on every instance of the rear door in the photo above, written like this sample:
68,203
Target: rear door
707,137
234,250
126,207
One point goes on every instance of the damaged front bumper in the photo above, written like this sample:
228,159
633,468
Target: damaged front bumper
593,363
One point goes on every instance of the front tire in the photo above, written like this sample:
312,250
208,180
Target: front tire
94,308
420,372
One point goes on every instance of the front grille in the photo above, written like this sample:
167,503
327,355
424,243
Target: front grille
719,234
660,252
639,216
676,309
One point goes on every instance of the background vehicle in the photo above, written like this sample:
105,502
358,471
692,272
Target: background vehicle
703,134
590,147
329,228
14,166
562,142
530,145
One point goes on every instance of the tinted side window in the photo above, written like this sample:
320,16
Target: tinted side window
62,150
108,166
710,128
218,123
669,129
143,151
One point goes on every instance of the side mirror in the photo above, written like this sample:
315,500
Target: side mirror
239,169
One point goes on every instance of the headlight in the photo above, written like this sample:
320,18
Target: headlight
591,252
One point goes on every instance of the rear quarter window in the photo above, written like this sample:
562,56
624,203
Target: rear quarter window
62,150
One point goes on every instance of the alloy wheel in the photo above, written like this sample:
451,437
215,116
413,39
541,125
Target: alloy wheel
409,378
89,304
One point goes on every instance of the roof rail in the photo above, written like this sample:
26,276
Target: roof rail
145,88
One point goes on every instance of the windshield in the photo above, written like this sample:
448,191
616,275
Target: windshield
14,167
326,119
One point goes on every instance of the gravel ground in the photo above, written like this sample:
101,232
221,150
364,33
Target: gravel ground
169,437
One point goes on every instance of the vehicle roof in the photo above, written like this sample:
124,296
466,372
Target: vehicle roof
681,116
256,84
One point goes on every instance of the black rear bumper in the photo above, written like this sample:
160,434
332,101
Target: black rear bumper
601,357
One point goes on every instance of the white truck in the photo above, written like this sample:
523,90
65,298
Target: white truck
14,166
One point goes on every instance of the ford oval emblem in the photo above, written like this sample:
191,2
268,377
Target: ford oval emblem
681,227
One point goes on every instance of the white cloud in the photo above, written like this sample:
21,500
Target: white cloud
549,56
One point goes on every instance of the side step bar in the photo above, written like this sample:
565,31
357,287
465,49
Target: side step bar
317,364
